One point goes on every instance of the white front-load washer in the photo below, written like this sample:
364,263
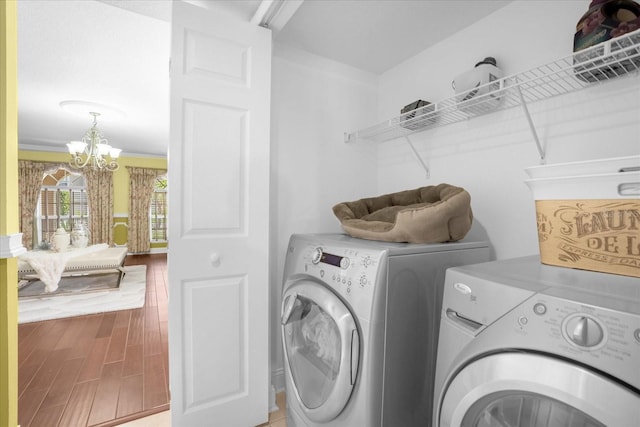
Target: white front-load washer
524,344
359,328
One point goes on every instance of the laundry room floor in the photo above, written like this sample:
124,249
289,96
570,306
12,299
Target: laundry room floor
163,419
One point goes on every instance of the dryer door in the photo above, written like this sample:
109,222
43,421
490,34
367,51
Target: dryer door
321,348
527,390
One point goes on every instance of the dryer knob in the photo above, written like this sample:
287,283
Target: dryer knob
345,263
584,331
316,256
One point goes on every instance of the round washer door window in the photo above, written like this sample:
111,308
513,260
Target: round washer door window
533,390
321,346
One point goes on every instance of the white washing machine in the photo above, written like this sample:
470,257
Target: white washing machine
524,344
359,328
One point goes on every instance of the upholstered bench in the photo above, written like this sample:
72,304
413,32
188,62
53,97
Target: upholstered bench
87,262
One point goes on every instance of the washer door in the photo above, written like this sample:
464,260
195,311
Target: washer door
321,348
527,390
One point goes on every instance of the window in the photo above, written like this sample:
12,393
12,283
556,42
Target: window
62,203
158,211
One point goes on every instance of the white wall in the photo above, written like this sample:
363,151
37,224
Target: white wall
487,155
314,101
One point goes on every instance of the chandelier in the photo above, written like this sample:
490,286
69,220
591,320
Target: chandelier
93,150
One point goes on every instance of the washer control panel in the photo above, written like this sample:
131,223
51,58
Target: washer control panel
319,255
351,272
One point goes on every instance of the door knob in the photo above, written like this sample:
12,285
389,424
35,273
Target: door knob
215,259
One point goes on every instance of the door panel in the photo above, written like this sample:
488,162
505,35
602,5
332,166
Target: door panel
218,219
217,58
226,298
224,131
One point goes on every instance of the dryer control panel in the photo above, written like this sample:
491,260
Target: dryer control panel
521,304
600,337
350,271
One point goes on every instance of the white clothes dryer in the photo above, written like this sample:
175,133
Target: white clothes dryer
359,328
524,344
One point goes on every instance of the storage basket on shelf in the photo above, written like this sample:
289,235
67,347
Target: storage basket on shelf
588,214
599,32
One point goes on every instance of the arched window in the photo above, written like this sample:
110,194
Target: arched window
62,203
158,210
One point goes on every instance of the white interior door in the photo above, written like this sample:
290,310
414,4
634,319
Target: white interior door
218,219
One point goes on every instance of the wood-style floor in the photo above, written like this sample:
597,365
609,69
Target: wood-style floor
101,369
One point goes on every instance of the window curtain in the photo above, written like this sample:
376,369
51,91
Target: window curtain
141,182
100,204
30,176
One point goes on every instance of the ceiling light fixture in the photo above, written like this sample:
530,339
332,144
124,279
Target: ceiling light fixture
93,150
81,108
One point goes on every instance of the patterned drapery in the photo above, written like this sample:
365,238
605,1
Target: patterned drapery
141,182
30,176
100,202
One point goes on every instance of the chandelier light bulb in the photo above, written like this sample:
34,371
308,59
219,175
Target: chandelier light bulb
77,147
103,149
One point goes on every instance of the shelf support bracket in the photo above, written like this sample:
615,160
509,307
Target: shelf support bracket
531,126
415,153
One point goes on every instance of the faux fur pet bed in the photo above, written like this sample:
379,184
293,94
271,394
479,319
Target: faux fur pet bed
431,214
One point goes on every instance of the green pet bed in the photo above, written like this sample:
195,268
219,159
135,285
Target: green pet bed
432,214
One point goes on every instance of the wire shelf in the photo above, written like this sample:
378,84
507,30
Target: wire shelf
598,64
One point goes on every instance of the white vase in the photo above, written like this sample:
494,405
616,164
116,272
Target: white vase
80,236
61,240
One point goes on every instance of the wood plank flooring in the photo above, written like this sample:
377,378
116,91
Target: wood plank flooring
100,369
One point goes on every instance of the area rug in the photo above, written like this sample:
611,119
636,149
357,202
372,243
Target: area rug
85,297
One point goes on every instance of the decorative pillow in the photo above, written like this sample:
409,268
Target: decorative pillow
430,214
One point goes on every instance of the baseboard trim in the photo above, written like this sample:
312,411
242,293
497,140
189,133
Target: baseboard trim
135,416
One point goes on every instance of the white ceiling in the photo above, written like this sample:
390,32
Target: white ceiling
116,53
376,35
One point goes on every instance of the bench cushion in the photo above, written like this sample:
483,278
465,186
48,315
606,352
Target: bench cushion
108,258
